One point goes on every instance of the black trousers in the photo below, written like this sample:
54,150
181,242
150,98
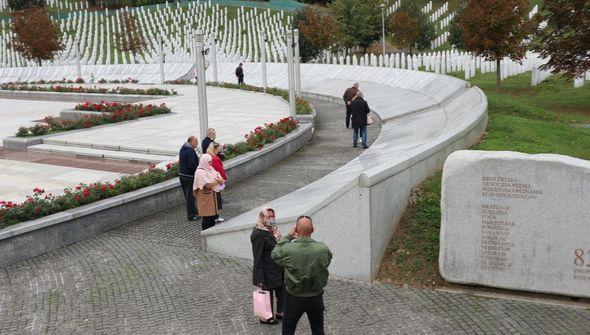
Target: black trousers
294,309
279,292
240,79
187,190
208,222
348,116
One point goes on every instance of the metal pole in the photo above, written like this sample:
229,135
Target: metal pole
297,65
290,73
262,42
78,67
214,57
383,27
161,54
201,84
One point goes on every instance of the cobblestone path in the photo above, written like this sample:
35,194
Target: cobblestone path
149,277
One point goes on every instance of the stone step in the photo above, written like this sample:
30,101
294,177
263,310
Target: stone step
101,153
56,141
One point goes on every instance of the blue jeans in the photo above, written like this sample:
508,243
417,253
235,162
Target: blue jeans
355,135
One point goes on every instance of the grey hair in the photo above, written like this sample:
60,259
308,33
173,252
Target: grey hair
360,94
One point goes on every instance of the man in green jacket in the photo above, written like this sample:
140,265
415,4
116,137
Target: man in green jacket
306,273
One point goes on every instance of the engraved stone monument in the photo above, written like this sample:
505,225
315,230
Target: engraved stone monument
516,221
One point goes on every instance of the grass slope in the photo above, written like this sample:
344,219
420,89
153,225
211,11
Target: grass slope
545,119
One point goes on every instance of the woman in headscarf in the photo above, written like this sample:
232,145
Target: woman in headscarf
207,183
214,150
266,274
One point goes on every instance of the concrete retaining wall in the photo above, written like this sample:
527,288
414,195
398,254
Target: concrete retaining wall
32,238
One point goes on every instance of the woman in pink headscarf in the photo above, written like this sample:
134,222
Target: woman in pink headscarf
207,183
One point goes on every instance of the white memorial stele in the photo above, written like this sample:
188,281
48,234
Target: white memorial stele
516,221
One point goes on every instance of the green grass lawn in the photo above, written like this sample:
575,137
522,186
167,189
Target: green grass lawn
544,119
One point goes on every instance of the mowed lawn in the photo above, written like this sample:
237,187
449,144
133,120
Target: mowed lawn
550,118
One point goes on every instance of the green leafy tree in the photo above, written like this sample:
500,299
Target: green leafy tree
495,29
425,29
455,30
23,4
318,32
359,21
565,39
405,29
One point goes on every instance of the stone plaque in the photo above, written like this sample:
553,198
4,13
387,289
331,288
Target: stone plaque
516,221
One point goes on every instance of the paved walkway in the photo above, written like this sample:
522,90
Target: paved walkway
149,277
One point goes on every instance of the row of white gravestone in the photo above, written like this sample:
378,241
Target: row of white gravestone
439,12
427,8
237,39
440,40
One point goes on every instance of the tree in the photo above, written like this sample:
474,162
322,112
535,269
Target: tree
565,39
130,38
455,30
405,29
36,35
495,29
420,32
359,21
23,4
319,30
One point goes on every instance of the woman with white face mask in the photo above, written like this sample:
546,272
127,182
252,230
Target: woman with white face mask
266,274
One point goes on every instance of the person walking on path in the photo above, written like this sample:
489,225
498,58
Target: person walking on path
214,150
240,74
207,183
348,96
305,262
266,274
360,110
187,166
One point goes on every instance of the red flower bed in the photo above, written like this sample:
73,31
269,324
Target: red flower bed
117,113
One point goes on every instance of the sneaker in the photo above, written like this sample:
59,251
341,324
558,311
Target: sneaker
355,145
365,147
194,218
219,220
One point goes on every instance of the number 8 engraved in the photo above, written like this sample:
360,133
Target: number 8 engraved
579,260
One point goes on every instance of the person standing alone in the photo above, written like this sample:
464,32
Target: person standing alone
240,74
188,162
305,262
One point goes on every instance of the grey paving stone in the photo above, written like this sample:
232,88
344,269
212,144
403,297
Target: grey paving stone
150,277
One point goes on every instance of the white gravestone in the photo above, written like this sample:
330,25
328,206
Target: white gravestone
516,221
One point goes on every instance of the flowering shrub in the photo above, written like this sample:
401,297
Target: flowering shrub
40,204
180,82
116,113
302,105
79,81
82,89
260,136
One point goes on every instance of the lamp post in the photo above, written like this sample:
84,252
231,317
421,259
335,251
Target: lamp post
290,73
262,41
78,67
161,58
201,83
297,69
383,27
213,44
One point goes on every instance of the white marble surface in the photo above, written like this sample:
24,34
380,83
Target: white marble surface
516,221
19,113
233,113
18,179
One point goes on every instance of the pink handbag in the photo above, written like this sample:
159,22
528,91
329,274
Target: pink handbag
261,303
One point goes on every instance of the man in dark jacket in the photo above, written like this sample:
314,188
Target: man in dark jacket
306,274
348,96
210,138
240,74
359,109
188,162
